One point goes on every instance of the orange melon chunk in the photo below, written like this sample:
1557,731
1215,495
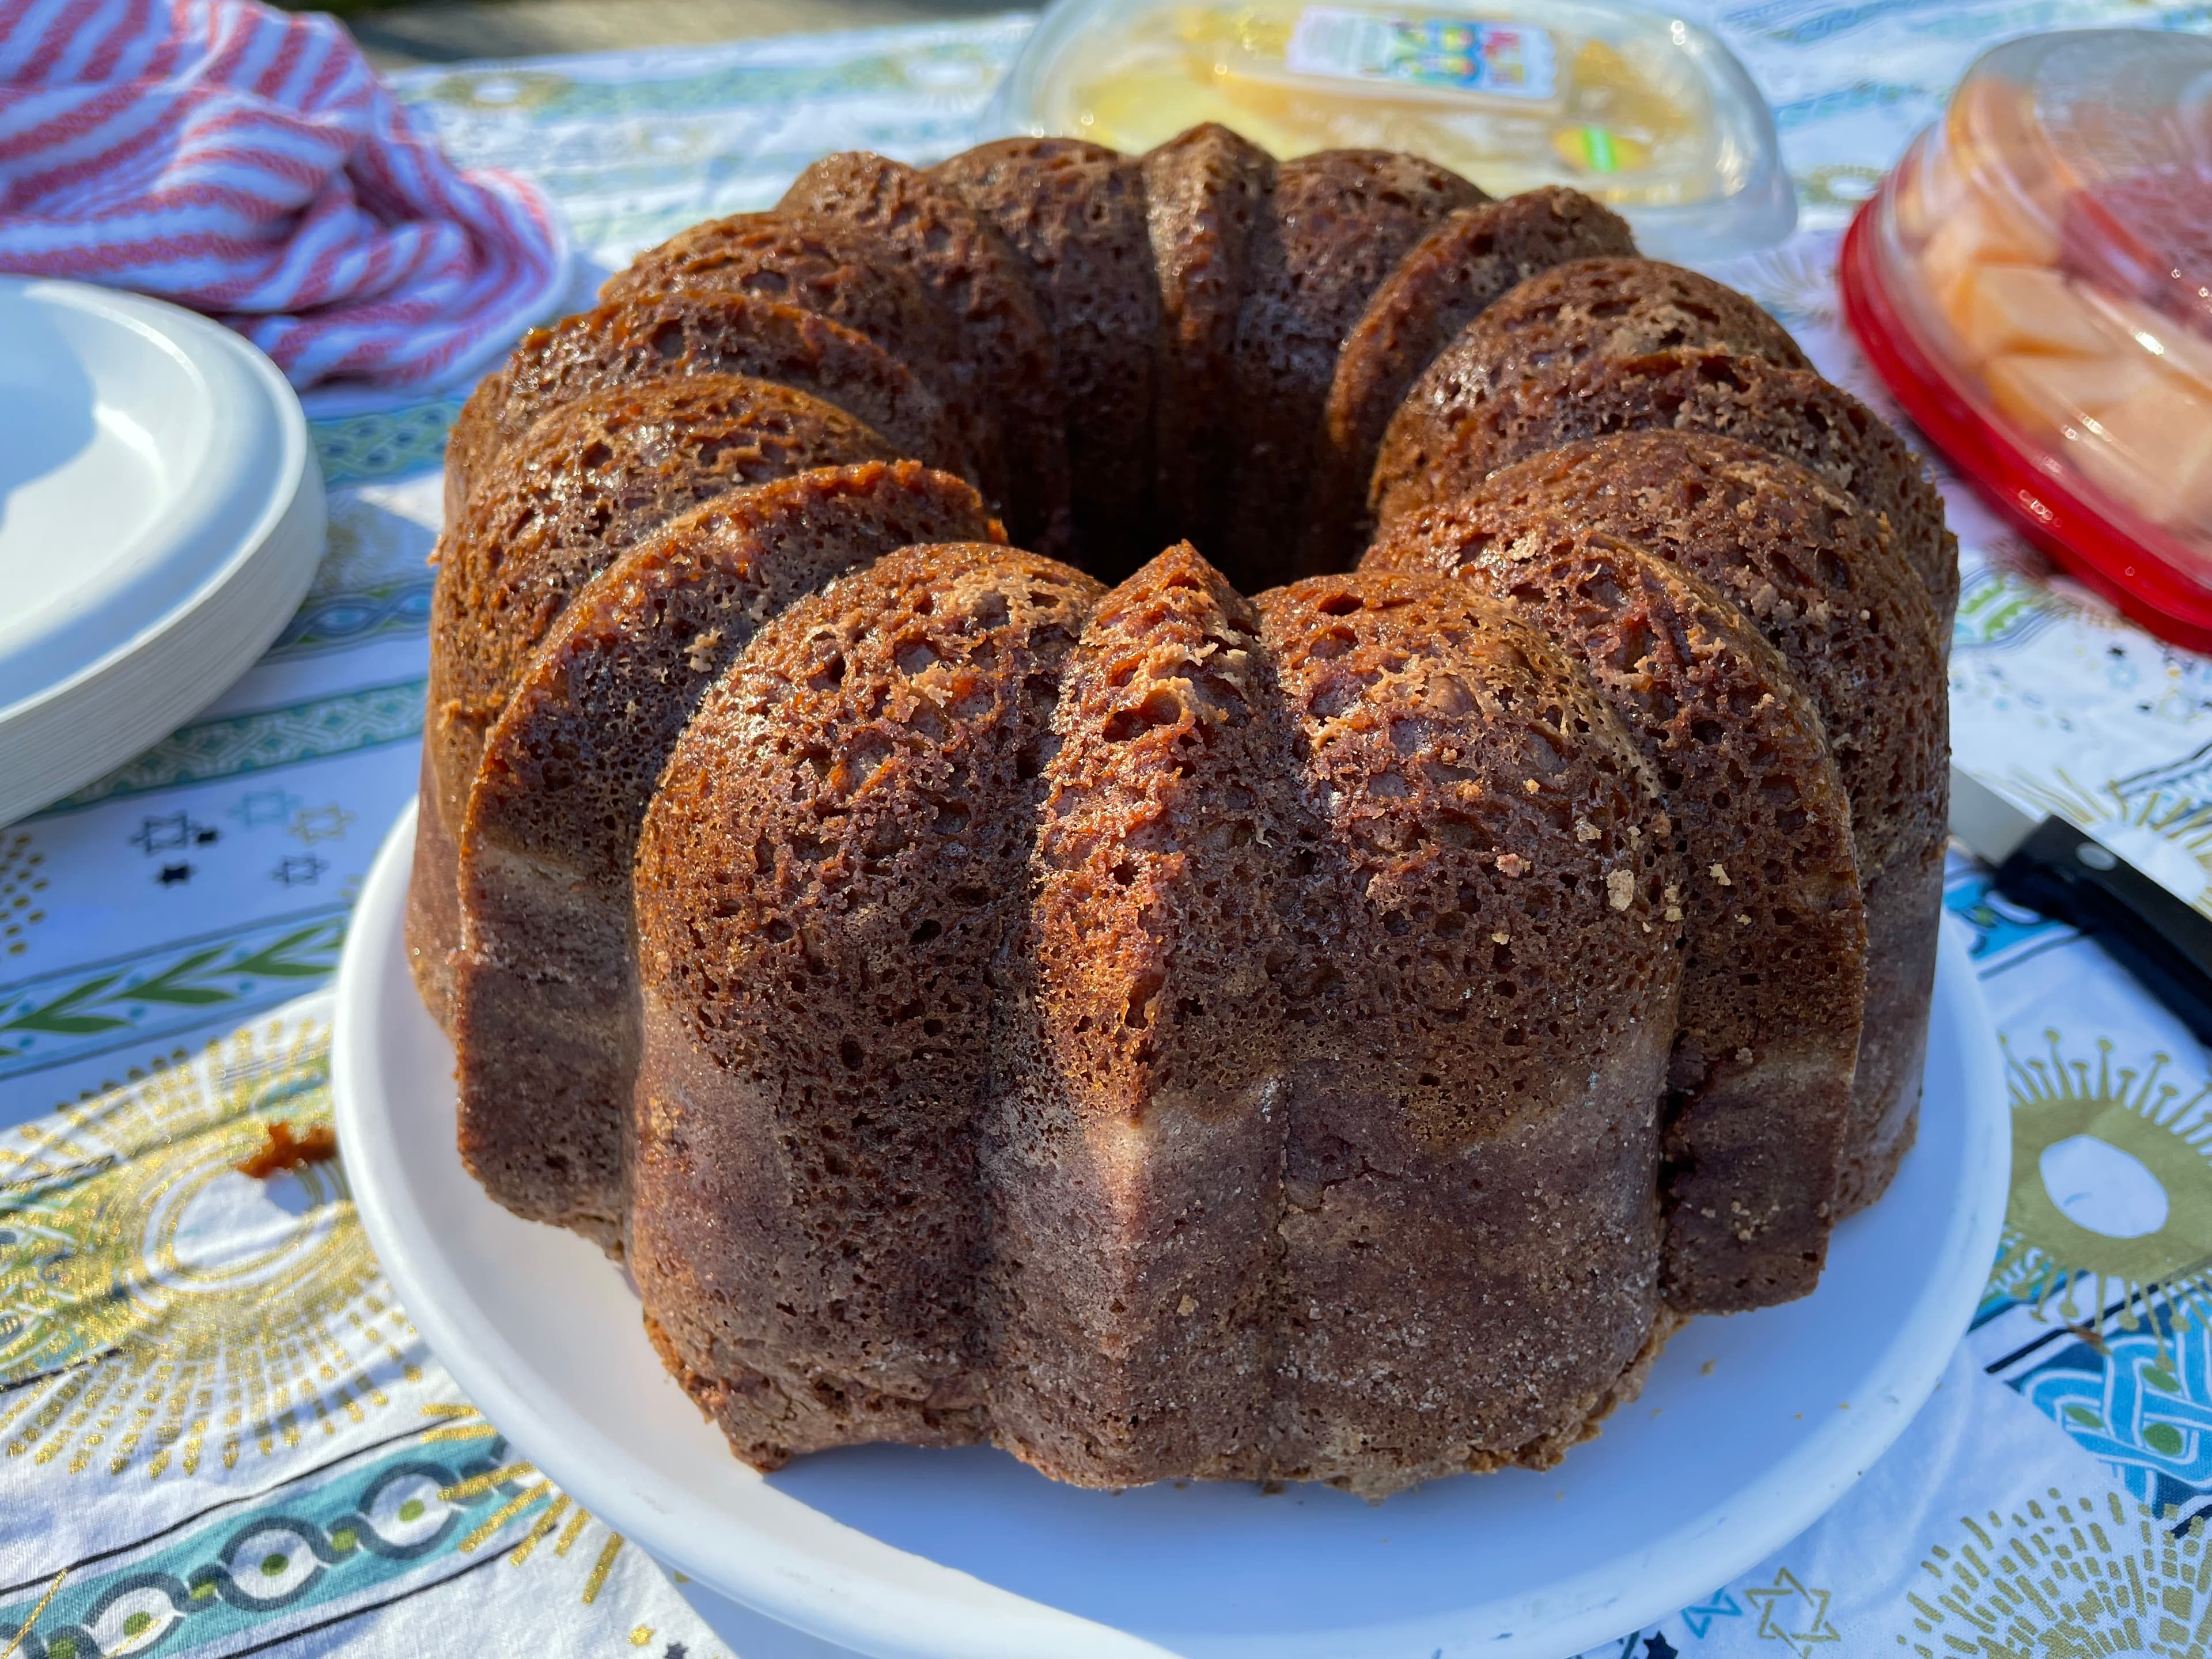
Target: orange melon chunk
1976,228
2177,348
2041,393
2020,309
2155,451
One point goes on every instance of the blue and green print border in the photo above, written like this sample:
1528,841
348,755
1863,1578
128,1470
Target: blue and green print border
359,1534
89,1008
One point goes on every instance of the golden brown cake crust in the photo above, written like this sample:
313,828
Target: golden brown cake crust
832,269
544,983
1467,416
831,864
1076,212
1340,220
820,265
1535,368
1206,193
1806,566
1759,1081
433,926
1336,1035
682,332
1617,305
851,1126
1443,283
588,481
1483,1002
1006,342
593,477
1801,560
1141,1043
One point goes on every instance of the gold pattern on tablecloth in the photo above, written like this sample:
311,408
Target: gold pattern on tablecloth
1792,1613
158,1307
2082,1577
22,886
2124,1125
559,1513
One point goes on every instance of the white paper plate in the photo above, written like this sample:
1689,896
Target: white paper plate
1751,1426
161,518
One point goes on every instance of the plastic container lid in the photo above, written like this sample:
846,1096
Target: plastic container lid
1648,113
2033,282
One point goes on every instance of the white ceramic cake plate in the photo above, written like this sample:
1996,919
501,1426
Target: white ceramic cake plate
161,518
1749,1428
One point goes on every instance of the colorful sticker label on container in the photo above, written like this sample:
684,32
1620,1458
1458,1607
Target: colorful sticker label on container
1509,60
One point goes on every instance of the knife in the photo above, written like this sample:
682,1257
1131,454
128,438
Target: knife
2058,870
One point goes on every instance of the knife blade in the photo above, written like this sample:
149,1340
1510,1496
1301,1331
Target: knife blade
2052,868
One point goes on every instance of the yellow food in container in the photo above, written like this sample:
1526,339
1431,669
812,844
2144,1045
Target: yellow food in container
1642,110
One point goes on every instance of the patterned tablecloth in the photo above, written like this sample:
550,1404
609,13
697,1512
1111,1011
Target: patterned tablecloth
219,1435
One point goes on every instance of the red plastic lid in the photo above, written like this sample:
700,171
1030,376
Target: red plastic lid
2034,282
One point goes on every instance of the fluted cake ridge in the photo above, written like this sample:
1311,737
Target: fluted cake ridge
1320,1001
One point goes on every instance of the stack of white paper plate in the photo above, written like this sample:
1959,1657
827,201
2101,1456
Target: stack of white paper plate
161,518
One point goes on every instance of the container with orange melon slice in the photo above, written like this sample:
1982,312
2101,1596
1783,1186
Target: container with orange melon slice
2035,283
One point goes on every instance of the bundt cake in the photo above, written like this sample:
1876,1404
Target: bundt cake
1323,1001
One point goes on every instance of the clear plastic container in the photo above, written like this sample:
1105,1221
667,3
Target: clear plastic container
1649,114
2033,282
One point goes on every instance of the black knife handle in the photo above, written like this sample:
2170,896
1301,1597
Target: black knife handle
2163,942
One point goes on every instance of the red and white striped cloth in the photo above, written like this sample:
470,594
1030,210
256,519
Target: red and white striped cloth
250,165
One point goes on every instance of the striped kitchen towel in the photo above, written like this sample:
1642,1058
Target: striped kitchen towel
249,164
